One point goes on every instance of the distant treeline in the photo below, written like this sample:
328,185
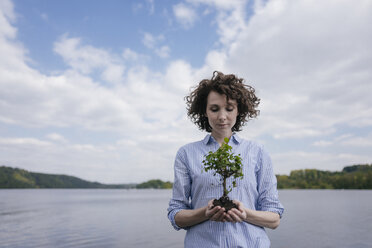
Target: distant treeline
351,177
155,184
11,178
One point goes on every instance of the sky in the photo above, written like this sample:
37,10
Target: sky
95,89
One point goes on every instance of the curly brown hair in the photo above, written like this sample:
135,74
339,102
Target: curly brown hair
229,85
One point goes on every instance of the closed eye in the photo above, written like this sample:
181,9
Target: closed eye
214,108
230,108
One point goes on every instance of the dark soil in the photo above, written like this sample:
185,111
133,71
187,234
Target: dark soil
224,202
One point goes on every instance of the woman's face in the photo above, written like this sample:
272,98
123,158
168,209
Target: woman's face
221,114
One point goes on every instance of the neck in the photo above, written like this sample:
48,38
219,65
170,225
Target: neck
220,137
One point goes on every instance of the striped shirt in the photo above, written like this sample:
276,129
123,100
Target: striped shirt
193,188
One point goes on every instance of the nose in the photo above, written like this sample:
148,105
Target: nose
222,115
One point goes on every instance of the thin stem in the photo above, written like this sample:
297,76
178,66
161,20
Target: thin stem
224,187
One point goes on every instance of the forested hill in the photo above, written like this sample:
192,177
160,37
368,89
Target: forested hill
11,178
351,177
18,178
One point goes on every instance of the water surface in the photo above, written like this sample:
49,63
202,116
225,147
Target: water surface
137,218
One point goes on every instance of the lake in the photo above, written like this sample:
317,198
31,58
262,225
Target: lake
137,218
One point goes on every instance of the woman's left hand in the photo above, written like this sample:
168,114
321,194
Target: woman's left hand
236,215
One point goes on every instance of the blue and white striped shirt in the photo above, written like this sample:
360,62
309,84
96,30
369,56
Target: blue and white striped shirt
193,188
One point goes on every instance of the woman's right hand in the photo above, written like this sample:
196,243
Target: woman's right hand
215,213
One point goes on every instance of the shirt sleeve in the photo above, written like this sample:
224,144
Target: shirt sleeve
181,188
268,199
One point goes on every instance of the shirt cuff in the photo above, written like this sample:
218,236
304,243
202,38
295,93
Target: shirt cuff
274,210
171,216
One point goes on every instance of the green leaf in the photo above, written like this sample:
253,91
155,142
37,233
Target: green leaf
224,163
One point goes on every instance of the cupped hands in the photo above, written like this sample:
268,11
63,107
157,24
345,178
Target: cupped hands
218,213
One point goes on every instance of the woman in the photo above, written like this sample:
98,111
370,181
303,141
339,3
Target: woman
221,106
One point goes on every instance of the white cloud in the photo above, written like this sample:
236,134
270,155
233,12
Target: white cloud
150,6
129,54
185,14
6,17
358,142
215,61
154,43
355,141
23,141
347,140
150,41
113,73
299,132
220,4
230,24
310,79
231,17
163,52
32,99
87,59
285,162
174,81
323,143
309,63
132,56
56,137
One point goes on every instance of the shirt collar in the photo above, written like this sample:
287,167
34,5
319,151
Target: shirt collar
209,138
236,139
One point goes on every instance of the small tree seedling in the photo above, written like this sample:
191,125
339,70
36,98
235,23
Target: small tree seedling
224,163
